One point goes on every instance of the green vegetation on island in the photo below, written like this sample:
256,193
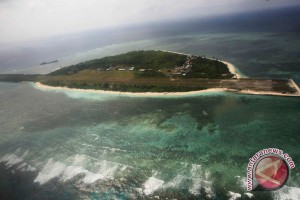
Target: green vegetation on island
154,64
140,71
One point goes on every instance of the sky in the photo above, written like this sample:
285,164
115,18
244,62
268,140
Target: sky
25,20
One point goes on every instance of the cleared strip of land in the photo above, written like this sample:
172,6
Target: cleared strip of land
91,79
285,87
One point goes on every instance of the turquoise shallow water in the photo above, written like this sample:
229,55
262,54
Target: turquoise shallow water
113,147
72,145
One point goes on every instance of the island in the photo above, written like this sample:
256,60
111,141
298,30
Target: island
156,71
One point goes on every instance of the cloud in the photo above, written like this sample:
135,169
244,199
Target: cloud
3,1
27,19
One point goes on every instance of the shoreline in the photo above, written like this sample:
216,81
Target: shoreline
231,67
40,86
266,93
295,86
137,94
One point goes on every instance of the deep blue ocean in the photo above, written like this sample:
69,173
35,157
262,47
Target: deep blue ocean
74,145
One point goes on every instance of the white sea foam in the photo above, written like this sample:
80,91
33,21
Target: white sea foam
207,175
196,183
92,177
72,171
196,177
78,159
175,182
140,191
154,173
233,195
21,128
152,184
287,193
88,145
22,166
196,186
249,195
114,149
196,170
108,169
29,168
11,160
209,192
76,94
95,136
87,95
25,154
54,169
185,164
208,188
25,167
18,151
123,168
50,170
242,181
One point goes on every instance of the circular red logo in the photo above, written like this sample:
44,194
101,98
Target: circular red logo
271,172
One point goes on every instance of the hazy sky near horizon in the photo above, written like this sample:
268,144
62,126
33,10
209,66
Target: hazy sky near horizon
22,20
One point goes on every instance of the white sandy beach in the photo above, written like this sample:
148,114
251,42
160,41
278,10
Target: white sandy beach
232,69
294,85
266,93
41,86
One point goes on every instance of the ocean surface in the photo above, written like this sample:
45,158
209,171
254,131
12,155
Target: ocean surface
74,145
256,54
